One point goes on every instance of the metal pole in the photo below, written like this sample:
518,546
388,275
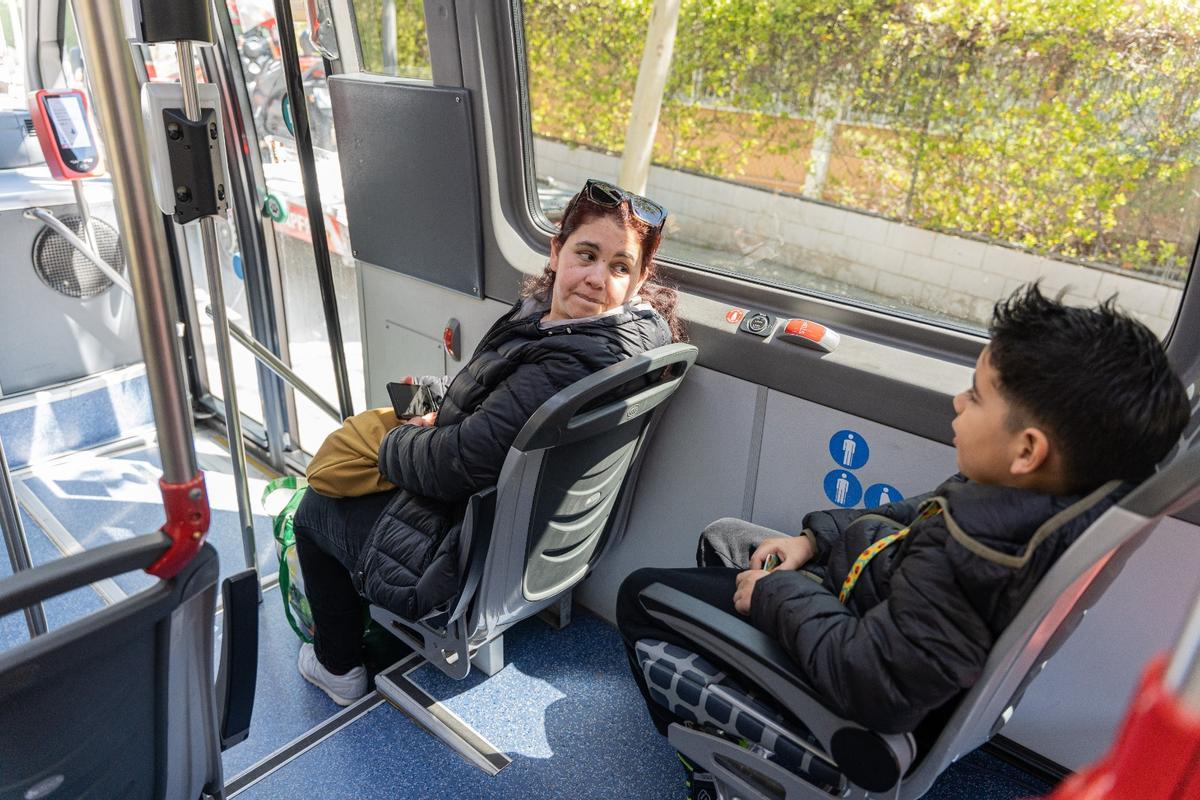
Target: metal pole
244,163
16,543
273,363
312,196
1183,671
387,36
216,293
85,211
117,103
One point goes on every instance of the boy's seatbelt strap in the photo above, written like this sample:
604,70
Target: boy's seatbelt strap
864,558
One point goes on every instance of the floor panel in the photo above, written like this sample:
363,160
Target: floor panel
285,705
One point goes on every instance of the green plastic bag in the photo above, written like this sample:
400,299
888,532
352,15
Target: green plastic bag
279,499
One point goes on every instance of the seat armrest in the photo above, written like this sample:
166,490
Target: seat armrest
32,586
872,760
237,677
477,526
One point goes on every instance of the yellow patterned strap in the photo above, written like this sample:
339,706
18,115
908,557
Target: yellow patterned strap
864,558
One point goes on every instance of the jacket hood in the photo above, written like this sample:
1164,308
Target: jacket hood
1005,525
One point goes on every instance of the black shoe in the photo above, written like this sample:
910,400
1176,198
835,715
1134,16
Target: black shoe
704,787
700,785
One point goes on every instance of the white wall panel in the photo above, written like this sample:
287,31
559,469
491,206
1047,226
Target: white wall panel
695,472
796,457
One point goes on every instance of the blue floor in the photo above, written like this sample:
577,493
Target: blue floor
62,422
563,708
285,705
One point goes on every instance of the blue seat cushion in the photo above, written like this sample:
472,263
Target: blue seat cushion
694,690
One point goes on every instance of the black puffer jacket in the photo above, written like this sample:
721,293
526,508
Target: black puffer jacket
918,626
409,563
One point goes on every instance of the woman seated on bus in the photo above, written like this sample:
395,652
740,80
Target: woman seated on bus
595,304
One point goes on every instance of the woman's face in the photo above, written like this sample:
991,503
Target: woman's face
597,269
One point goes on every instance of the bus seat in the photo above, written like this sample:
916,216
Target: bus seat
561,501
121,703
864,761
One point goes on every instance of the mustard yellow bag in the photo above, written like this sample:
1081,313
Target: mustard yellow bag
347,462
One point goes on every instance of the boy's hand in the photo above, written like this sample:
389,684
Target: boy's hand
793,551
745,589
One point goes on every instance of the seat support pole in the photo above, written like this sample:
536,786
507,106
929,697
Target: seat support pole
398,689
558,615
489,659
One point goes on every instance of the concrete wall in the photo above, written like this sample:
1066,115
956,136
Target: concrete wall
888,260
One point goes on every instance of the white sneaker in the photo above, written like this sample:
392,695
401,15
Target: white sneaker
342,689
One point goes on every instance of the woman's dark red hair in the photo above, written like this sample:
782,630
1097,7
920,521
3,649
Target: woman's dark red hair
582,210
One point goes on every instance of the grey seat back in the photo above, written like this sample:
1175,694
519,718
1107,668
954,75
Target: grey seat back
1054,609
560,502
119,703
564,491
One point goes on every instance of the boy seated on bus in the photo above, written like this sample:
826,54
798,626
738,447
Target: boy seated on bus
889,613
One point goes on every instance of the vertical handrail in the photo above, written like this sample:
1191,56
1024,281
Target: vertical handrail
244,166
115,90
16,543
312,197
220,316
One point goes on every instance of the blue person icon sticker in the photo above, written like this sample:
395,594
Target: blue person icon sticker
842,488
880,494
849,449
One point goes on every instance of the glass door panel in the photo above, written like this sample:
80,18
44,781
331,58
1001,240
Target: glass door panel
286,213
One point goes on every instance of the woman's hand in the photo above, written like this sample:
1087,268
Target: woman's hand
744,592
793,551
424,421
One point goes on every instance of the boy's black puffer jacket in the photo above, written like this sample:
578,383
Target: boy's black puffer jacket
409,563
918,626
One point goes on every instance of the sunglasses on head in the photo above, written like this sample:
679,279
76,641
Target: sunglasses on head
607,195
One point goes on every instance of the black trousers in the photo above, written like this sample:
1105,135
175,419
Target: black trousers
330,534
713,585
724,550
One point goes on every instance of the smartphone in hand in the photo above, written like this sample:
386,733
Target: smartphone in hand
412,399
771,562
403,396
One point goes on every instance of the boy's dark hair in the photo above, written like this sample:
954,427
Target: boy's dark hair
1096,380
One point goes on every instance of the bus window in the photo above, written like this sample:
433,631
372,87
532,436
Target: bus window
921,158
392,38
12,65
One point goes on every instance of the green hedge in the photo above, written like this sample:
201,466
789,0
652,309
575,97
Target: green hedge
1069,127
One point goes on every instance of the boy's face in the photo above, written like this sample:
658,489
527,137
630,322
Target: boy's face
985,443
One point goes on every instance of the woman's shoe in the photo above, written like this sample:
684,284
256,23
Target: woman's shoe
342,689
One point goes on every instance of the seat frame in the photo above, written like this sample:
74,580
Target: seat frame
497,525
197,715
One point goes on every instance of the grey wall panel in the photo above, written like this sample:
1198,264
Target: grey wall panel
796,458
695,472
50,337
403,319
1071,711
407,153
